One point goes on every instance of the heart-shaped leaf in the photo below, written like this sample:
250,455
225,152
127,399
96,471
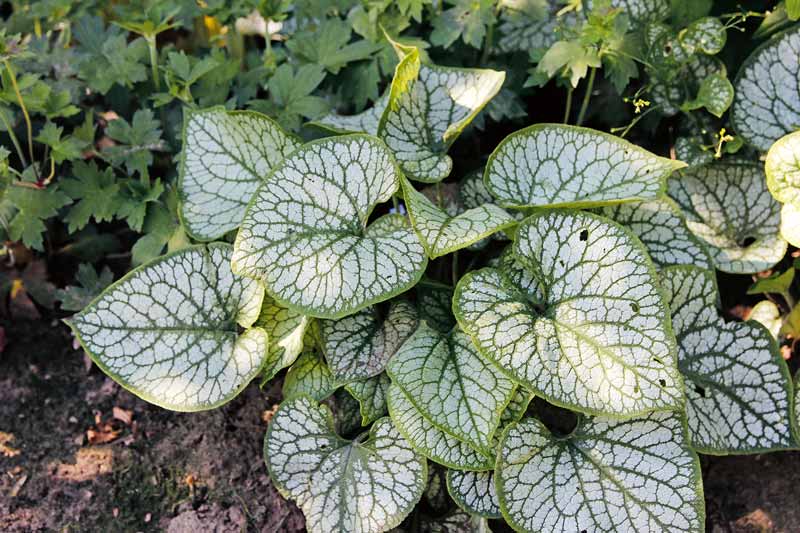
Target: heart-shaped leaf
715,94
526,26
768,315
728,207
738,388
309,376
582,323
371,395
305,233
558,165
225,157
362,485
707,35
429,440
441,233
359,346
167,331
429,106
606,476
640,11
662,229
783,169
767,104
365,122
449,382
287,332
790,224
474,492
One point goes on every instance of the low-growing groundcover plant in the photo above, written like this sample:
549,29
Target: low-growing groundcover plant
531,333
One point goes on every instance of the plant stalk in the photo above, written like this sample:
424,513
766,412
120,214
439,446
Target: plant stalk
587,96
151,45
568,108
14,139
21,105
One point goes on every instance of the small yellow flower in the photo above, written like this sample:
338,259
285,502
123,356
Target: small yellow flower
639,104
722,137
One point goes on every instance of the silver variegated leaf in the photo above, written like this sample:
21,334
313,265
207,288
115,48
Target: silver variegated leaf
225,157
606,476
640,11
662,229
359,346
365,122
309,376
526,26
346,412
435,306
559,165
715,94
783,169
738,388
441,233
790,224
707,35
429,440
728,207
366,485
594,336
767,104
305,232
451,384
286,330
167,331
474,492
429,106
371,396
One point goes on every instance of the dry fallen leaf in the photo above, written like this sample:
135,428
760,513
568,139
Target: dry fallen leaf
5,449
102,432
123,415
18,485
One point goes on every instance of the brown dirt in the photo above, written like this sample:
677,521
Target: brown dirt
203,472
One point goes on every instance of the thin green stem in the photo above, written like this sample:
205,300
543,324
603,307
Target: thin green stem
488,42
568,108
21,105
13,136
454,268
789,300
587,96
151,45
395,204
627,128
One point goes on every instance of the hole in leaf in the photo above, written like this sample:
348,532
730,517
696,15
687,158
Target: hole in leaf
662,382
561,422
747,241
657,360
668,48
635,307
636,389
584,235
700,390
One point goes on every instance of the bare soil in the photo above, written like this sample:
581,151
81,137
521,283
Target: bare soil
203,472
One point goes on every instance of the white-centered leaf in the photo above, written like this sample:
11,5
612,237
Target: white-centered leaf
225,157
167,331
365,122
783,169
662,229
441,233
767,103
305,232
738,388
558,165
359,346
526,26
429,440
371,396
640,11
728,207
715,94
595,335
474,492
309,376
365,486
287,331
429,106
607,476
790,224
447,380
707,35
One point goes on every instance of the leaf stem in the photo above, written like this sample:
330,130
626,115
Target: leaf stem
627,128
568,108
151,45
21,105
13,136
454,268
587,96
488,42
